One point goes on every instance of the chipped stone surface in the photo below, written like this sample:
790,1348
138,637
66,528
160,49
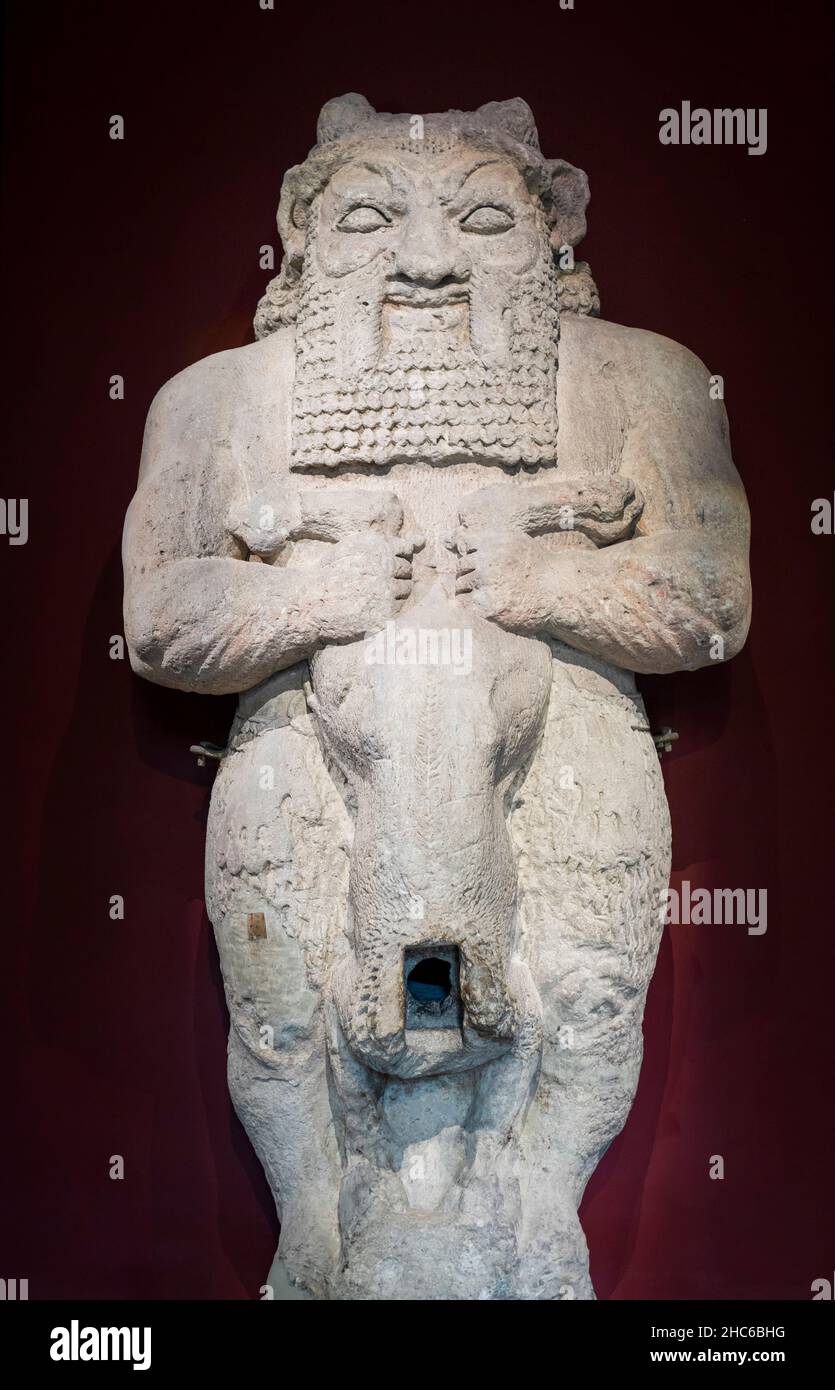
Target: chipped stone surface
429,526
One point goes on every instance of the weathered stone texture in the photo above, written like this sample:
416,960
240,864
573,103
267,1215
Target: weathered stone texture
429,526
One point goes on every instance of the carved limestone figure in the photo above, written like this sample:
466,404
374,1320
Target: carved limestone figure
429,526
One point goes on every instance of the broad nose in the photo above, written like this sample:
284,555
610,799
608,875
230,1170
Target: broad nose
428,253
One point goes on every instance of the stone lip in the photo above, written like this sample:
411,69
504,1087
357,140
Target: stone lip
427,298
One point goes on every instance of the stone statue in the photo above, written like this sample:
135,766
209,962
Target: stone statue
429,526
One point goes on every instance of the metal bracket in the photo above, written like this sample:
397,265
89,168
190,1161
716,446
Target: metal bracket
207,752
665,740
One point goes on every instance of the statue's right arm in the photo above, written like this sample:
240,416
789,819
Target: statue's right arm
198,614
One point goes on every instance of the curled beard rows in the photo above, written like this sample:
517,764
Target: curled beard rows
433,401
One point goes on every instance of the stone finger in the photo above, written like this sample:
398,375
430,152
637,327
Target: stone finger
410,542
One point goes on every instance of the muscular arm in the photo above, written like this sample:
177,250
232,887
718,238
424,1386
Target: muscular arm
199,613
656,601
653,604
197,616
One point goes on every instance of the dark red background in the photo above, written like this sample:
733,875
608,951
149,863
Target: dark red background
139,257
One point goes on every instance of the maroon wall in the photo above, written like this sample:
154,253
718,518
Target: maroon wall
139,257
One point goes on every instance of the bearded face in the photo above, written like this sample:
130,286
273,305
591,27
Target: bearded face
427,325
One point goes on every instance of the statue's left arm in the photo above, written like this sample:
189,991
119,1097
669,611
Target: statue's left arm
654,602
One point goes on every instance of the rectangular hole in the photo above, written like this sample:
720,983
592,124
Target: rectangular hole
431,979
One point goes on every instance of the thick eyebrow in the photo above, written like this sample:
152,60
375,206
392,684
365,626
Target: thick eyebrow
380,171
371,167
448,195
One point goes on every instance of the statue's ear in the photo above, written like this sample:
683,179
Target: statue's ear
566,194
342,115
336,119
514,117
292,218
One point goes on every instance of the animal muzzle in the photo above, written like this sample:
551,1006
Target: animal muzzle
424,980
430,1006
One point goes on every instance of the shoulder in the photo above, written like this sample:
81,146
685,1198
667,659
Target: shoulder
220,378
228,393
642,367
633,392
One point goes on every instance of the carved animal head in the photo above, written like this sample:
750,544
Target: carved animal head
433,752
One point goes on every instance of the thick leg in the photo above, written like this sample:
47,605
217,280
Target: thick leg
592,832
276,870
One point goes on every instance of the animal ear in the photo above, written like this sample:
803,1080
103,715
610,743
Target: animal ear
514,117
566,195
342,115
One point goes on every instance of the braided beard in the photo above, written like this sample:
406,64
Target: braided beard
380,384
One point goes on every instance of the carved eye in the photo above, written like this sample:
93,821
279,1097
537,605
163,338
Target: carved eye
487,219
363,219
